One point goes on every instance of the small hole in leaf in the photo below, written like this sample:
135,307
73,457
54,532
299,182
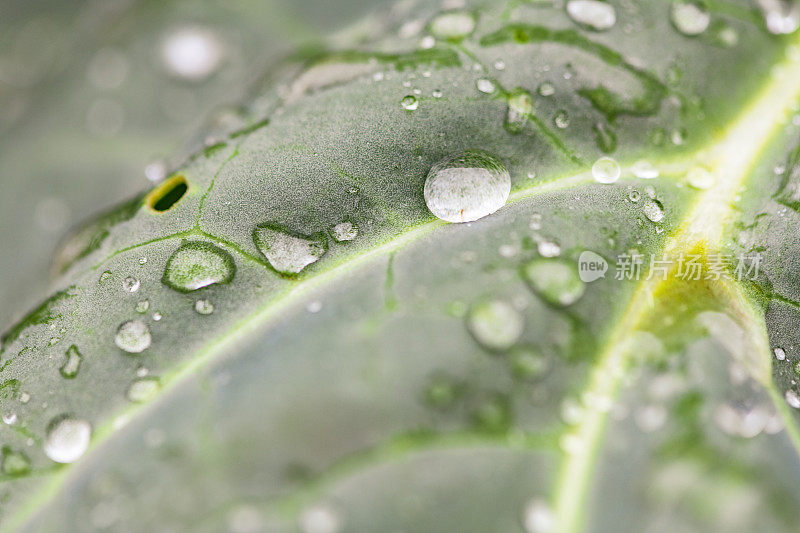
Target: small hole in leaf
169,193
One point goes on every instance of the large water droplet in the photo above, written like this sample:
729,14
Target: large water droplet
467,186
606,170
495,325
143,389
67,438
592,14
452,25
555,280
196,265
72,363
690,17
14,463
288,252
133,336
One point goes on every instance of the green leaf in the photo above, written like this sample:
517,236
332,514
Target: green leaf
282,335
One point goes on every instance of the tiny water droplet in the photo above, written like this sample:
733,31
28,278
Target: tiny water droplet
561,119
555,280
142,306
499,64
792,399
344,231
606,170
485,86
143,260
592,14
653,210
634,196
546,89
157,316
143,389
24,398
133,336
72,363
288,252
9,419
467,186
196,265
643,169
437,93
548,249
67,438
689,17
520,106
495,325
131,284
204,307
780,354
14,463
409,102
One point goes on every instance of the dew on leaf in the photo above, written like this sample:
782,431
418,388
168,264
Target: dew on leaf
561,119
133,336
495,324
645,170
520,106
548,249
593,14
142,306
9,419
143,389
485,86
690,17
606,170
67,438
131,284
14,463
452,25
780,354
409,102
196,265
320,519
792,399
286,251
467,186
157,316
344,231
72,362
555,280
191,53
538,517
204,306
653,210
781,17
546,89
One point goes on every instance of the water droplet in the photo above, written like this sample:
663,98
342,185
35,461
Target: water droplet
142,306
9,419
690,17
780,354
191,53
143,389
527,363
24,398
452,25
14,463
314,306
143,260
592,14
288,252
437,93
67,438
157,316
700,178
561,119
499,64
653,210
546,89
538,518
555,280
792,399
467,186
133,336
643,169
409,102
130,284
72,363
320,519
782,17
548,249
344,231
204,307
196,265
105,276
485,86
606,170
495,325
520,106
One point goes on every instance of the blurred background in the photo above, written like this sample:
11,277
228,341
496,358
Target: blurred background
96,96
